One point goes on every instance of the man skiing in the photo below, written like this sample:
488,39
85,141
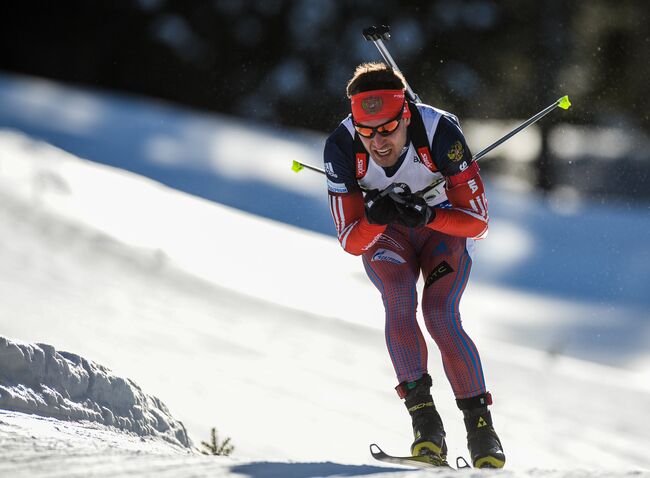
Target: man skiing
405,195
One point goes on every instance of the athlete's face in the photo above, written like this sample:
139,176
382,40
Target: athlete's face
385,150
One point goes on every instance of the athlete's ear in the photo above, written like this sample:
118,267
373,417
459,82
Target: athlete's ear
407,121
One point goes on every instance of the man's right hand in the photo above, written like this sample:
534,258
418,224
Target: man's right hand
380,208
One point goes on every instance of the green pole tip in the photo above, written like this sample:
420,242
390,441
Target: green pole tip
564,103
297,167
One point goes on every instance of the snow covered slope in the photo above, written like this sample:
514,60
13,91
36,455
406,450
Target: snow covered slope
176,294
556,246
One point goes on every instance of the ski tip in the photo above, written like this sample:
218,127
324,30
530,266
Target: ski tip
374,449
296,166
564,103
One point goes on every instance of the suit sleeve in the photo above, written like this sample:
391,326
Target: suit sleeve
355,233
468,216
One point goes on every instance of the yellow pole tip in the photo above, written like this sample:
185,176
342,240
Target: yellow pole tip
297,167
564,103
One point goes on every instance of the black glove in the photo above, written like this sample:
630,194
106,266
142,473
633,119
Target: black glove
380,208
413,211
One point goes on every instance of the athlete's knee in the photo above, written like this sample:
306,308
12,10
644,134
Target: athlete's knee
401,325
444,327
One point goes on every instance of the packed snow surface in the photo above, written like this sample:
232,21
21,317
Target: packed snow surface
274,335
35,378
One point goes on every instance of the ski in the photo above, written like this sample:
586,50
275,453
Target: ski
422,461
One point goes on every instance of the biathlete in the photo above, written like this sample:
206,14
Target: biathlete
406,196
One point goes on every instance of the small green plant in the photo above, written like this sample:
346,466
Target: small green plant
216,448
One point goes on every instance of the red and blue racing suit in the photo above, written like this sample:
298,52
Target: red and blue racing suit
394,255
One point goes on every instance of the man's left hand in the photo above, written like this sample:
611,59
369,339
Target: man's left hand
413,211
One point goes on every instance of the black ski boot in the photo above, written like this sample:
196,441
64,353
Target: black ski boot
428,430
482,441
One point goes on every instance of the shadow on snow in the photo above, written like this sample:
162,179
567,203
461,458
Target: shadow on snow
308,470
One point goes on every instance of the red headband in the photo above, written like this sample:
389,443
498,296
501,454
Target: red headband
378,104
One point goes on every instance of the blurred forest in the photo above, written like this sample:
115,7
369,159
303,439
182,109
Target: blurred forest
287,62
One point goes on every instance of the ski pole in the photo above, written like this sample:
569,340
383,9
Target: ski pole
377,35
563,103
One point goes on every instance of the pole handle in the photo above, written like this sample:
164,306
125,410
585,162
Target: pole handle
377,35
374,33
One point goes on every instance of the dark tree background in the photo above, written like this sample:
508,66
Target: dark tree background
287,62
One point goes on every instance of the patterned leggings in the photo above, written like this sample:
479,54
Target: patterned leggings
393,264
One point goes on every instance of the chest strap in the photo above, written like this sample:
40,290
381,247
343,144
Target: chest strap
419,138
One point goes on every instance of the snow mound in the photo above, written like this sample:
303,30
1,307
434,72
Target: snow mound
35,378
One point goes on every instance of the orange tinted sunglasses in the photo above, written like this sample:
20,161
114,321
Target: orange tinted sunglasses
383,129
